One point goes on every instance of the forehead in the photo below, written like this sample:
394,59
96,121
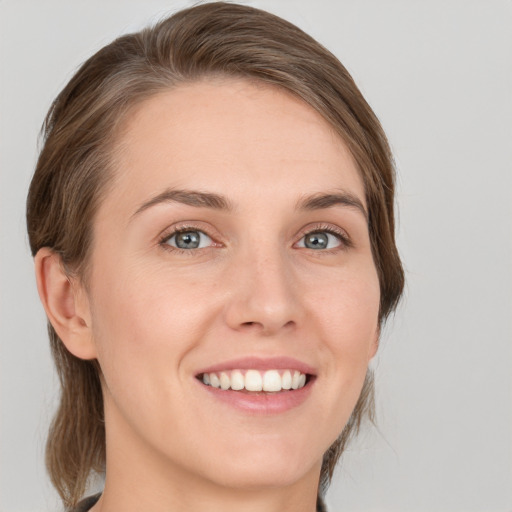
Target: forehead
230,134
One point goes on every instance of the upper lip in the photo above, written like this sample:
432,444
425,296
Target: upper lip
260,363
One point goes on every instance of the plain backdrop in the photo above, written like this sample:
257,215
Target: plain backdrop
439,76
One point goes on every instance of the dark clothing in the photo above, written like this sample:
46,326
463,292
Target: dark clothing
86,504
320,505
89,502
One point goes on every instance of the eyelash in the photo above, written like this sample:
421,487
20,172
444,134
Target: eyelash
341,235
167,235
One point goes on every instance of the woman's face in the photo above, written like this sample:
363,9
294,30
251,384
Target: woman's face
234,238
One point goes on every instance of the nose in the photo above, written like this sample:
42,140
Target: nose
263,294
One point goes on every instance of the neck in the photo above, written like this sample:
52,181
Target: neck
171,491
138,478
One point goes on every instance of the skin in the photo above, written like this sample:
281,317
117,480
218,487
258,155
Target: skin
154,316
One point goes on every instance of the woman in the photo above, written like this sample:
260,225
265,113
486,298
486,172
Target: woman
211,218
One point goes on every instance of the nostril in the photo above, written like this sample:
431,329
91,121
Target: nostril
249,324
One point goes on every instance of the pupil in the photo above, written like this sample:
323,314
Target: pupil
316,241
187,240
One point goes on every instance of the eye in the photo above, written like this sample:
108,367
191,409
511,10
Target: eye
318,240
189,239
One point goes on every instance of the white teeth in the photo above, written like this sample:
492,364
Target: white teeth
225,383
214,380
253,381
295,380
287,380
237,380
271,381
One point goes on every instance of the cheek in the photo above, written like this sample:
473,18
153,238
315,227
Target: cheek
143,329
348,325
349,312
144,321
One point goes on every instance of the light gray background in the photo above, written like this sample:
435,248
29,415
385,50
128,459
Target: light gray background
439,76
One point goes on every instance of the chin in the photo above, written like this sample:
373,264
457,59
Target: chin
265,467
256,477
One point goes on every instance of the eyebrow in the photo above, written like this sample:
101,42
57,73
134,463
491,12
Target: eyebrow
318,201
190,198
322,201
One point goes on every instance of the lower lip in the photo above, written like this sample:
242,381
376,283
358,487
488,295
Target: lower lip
261,403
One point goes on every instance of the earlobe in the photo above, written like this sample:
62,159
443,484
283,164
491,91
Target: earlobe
65,304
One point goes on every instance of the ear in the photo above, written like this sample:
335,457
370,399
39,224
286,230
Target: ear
374,345
65,303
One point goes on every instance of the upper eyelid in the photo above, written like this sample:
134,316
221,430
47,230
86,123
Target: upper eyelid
329,228
193,226
324,227
183,227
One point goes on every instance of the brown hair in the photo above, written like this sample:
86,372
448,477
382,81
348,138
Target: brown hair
75,168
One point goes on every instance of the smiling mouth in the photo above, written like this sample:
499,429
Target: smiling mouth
254,381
